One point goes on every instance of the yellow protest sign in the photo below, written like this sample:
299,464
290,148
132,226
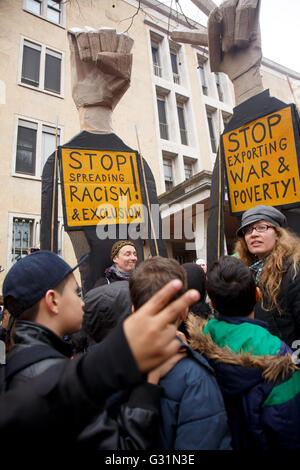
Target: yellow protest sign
100,187
261,162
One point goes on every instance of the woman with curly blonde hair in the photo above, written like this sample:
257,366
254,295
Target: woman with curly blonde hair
273,254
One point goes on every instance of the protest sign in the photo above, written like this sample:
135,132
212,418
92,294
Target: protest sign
261,162
100,187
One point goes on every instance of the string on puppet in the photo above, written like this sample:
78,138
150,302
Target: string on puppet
220,188
147,194
54,188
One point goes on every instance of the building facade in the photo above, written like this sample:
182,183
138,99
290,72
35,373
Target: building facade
184,109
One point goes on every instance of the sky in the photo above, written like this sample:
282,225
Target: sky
279,23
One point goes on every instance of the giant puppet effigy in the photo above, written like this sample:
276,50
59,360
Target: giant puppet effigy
108,190
259,149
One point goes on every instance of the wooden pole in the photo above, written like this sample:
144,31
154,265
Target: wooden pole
54,189
147,194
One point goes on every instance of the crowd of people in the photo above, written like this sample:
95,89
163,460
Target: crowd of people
177,357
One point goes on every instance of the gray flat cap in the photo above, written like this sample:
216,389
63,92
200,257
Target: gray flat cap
257,213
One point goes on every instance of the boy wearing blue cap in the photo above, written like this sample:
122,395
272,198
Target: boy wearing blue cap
41,293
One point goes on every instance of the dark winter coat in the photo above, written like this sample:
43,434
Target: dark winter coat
53,408
27,334
104,307
130,424
286,323
192,412
261,390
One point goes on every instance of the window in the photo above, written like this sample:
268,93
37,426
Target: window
162,117
219,87
22,237
41,67
203,79
212,134
24,233
182,127
188,170
174,64
156,62
36,141
51,10
168,174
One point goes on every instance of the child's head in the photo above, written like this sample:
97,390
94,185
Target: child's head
42,288
151,275
231,287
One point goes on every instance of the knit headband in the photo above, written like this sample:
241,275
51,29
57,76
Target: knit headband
117,247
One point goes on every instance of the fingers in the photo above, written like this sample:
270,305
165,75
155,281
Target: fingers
175,309
91,42
117,64
161,298
194,38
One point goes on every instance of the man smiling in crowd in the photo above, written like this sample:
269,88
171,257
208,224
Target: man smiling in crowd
124,258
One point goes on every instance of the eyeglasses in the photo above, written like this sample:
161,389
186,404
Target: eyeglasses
260,228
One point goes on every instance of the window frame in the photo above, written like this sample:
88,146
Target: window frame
44,50
36,231
44,12
168,160
41,126
163,125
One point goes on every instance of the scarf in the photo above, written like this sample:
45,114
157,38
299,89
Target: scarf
122,275
257,268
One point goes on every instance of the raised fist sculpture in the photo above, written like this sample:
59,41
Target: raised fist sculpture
234,44
101,62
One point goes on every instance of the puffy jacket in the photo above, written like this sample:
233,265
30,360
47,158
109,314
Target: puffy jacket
259,381
132,421
286,323
27,334
104,307
54,407
193,414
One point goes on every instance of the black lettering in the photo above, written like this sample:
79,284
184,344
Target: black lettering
122,193
95,193
91,160
273,121
233,140
236,156
74,159
249,193
243,196
94,214
244,131
237,176
256,193
275,183
251,173
85,214
114,193
121,160
285,186
110,162
72,177
283,146
258,140
235,195
272,146
265,188
73,190
263,166
84,177
86,194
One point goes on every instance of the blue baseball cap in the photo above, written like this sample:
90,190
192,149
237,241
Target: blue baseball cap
31,277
